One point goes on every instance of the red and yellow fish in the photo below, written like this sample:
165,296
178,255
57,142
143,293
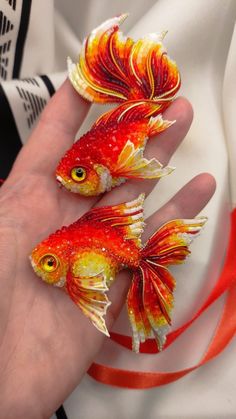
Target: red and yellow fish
84,258
140,75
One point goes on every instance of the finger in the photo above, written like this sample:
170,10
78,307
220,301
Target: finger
165,144
187,203
54,133
161,147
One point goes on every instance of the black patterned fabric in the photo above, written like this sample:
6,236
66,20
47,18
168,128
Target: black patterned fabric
11,142
12,41
21,100
33,104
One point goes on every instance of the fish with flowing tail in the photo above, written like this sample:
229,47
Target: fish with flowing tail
85,257
139,75
114,68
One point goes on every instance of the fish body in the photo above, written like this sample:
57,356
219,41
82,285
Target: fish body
108,155
144,80
105,144
84,258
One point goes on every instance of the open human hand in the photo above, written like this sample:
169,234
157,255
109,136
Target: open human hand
46,343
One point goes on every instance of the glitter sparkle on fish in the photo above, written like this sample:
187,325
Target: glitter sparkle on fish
84,258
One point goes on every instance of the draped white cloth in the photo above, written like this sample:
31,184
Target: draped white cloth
202,39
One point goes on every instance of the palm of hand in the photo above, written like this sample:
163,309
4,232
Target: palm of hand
38,321
45,341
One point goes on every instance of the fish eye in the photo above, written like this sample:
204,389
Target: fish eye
78,174
49,263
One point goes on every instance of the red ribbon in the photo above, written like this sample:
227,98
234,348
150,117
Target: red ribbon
224,333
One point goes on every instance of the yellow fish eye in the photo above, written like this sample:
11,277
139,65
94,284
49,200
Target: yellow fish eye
78,174
49,263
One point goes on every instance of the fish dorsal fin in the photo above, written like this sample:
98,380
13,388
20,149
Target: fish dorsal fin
130,111
126,217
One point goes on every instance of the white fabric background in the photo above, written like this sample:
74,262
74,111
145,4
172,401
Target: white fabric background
202,40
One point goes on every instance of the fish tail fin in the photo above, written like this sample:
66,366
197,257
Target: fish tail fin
150,299
114,68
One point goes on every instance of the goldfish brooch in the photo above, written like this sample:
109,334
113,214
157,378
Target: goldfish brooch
144,81
84,258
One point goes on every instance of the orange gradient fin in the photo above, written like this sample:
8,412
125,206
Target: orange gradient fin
137,110
150,299
170,244
132,164
157,124
141,328
126,217
89,294
115,68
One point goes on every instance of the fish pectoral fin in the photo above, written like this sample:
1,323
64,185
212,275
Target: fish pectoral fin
89,294
94,306
132,164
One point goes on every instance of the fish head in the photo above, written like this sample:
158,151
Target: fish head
80,175
50,260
